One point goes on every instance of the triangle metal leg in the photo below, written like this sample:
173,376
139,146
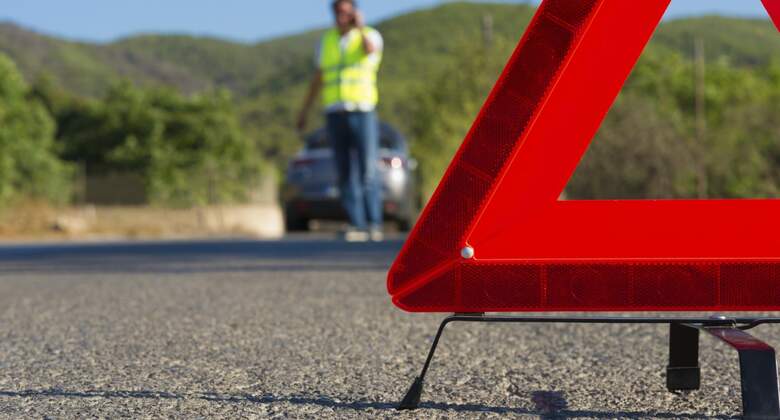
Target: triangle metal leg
683,372
411,400
758,365
758,372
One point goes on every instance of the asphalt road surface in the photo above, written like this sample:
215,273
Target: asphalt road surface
302,328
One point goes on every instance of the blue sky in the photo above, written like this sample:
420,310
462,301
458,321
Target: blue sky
244,20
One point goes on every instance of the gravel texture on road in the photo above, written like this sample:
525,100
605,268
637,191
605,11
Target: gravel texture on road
303,328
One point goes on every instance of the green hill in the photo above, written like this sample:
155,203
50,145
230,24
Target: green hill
88,69
268,79
416,44
743,41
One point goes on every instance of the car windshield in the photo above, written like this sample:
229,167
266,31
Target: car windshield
387,140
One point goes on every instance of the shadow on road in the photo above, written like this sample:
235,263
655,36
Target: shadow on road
295,254
328,402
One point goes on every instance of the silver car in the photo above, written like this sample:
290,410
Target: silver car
311,191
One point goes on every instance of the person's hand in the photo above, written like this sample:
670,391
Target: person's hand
359,20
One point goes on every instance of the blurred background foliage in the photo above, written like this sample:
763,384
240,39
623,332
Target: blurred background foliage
30,164
201,120
187,150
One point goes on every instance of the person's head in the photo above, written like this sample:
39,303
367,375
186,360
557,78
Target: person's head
344,12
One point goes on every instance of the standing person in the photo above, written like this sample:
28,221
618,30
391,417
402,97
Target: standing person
347,61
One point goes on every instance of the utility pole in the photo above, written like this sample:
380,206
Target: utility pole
487,30
700,64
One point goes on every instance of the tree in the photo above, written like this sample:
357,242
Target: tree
29,165
189,150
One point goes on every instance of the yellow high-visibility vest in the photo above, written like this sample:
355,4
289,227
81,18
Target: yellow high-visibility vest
348,75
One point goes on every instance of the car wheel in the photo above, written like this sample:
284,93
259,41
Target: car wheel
294,222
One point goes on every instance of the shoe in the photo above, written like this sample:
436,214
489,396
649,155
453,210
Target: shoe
355,235
376,234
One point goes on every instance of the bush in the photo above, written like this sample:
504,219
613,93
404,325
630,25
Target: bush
190,151
29,165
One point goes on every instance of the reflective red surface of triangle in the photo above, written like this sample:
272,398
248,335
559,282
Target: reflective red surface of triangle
533,252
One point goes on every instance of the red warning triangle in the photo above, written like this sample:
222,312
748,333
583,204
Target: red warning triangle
773,7
495,237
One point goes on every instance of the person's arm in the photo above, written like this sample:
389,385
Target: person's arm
314,91
368,46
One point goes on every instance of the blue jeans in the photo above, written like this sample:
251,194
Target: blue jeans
354,137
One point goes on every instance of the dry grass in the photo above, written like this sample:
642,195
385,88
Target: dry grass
28,218
32,220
